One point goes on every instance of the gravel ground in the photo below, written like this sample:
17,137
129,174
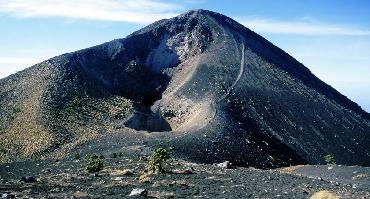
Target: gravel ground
68,178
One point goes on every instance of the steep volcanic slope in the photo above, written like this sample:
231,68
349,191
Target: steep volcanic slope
207,86
50,105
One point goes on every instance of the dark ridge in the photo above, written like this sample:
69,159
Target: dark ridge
283,60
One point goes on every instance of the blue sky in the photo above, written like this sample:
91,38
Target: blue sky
330,37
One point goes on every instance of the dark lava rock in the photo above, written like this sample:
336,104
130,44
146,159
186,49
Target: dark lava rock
189,170
28,179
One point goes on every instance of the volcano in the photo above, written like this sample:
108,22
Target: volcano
199,83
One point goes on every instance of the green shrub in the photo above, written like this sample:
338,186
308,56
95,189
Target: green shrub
7,116
157,161
114,155
2,126
13,112
77,156
94,163
35,156
2,149
329,159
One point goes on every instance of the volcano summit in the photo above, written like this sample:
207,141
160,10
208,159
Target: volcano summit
201,83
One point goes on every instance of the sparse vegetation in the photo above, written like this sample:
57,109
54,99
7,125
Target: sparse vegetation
8,116
329,159
2,149
94,163
77,156
157,161
114,155
11,114
14,110
87,108
35,157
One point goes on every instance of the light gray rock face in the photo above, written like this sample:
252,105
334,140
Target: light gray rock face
225,165
139,192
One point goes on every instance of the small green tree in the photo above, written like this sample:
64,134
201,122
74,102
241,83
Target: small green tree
157,161
2,149
77,156
114,155
94,163
329,159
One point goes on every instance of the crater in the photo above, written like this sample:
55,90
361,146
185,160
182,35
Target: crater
145,118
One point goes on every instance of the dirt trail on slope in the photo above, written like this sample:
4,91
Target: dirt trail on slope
241,71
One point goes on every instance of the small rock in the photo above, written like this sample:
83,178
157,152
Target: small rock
160,194
139,192
225,165
145,178
125,172
7,196
118,179
189,171
47,170
182,183
80,194
324,194
28,179
143,158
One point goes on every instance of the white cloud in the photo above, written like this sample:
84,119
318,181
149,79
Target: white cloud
18,60
10,65
138,11
303,27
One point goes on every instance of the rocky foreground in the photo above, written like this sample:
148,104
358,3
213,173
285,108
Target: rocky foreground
124,177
